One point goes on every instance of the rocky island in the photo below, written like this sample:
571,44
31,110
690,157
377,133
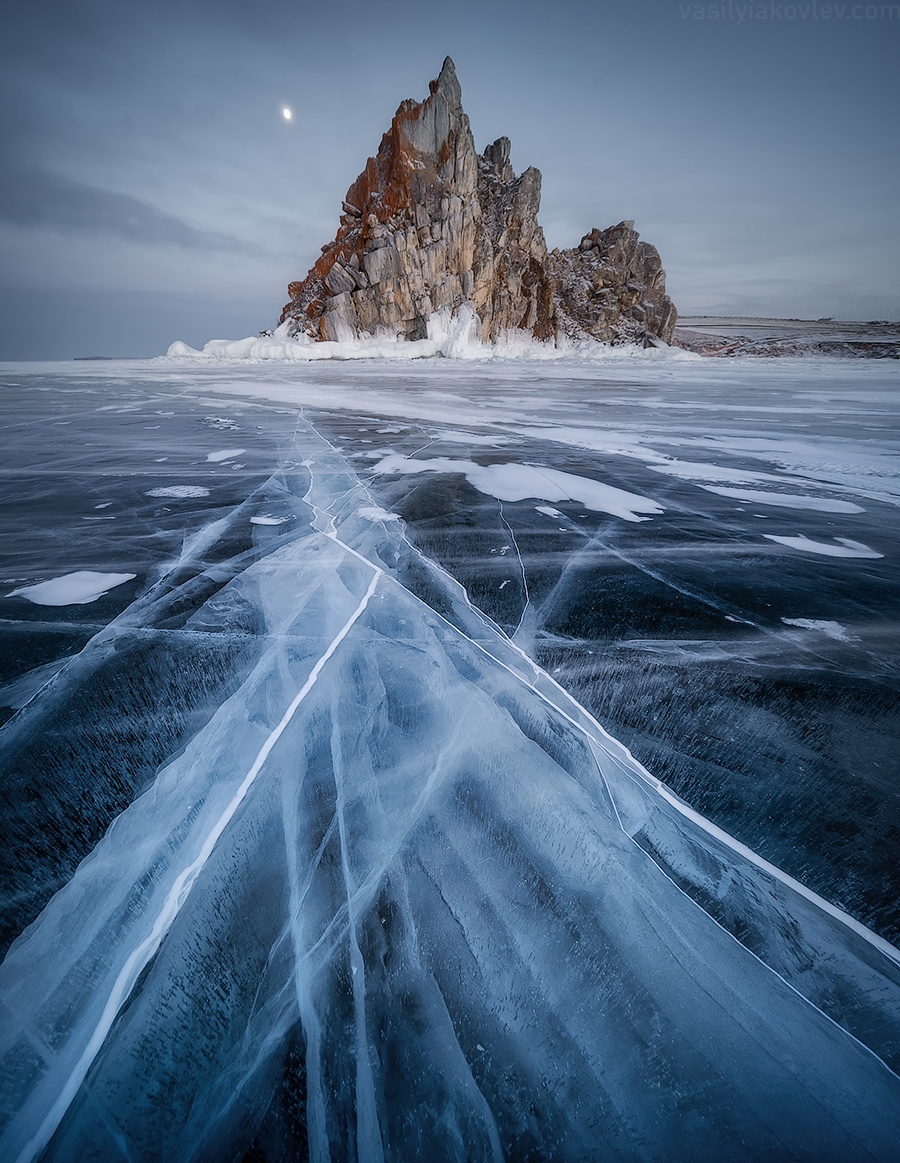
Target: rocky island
432,226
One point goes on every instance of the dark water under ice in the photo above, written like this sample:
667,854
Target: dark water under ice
433,908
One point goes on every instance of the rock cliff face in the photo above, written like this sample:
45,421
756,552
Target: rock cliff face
430,225
612,286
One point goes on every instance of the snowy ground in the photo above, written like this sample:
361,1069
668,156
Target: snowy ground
376,668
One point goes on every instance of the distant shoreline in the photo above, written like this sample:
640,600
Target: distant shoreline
729,335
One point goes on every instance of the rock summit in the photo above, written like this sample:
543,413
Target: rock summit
431,225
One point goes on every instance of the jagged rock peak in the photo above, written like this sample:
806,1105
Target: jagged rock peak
447,84
431,225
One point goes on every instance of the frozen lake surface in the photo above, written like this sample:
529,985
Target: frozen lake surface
450,760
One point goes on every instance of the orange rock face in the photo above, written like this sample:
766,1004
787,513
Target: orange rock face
430,225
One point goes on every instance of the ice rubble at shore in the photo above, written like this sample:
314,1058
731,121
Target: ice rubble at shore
448,336
403,879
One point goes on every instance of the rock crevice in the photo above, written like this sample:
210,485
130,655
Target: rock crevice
431,225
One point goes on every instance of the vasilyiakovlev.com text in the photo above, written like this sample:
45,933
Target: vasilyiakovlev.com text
740,13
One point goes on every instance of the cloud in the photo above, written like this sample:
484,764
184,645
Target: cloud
35,197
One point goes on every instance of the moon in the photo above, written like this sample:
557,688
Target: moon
287,114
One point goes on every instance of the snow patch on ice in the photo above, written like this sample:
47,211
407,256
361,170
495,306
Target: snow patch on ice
518,482
221,423
547,510
369,454
844,548
632,445
268,520
72,589
178,491
786,500
833,629
225,454
698,471
375,513
852,465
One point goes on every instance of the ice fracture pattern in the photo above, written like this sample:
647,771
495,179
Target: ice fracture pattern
396,895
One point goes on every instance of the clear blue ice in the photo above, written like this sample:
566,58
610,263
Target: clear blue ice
399,896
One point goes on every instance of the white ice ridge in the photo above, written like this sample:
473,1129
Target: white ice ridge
516,482
402,855
72,589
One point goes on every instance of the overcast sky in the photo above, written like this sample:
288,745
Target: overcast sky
152,190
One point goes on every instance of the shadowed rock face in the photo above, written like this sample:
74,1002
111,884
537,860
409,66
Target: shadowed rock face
613,287
430,224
